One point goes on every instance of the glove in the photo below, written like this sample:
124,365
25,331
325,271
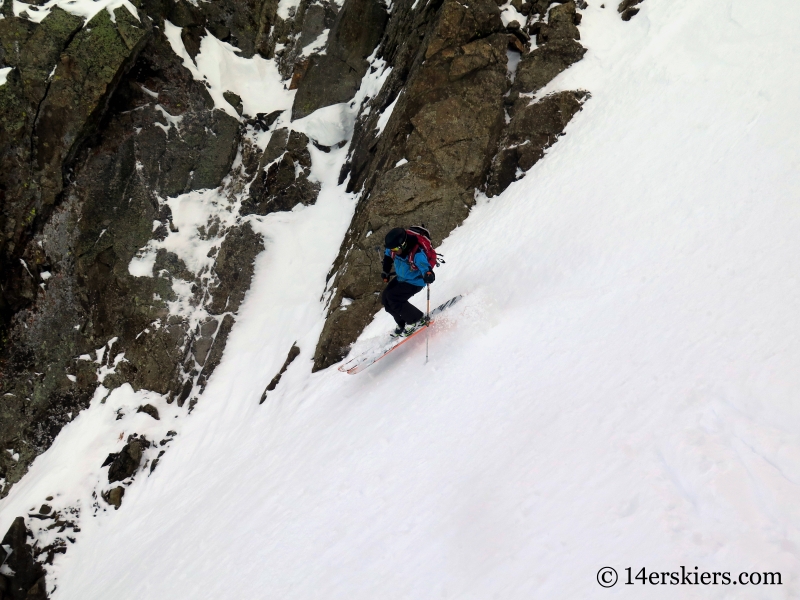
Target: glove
385,277
429,277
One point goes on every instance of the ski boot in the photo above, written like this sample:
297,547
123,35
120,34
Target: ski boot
409,329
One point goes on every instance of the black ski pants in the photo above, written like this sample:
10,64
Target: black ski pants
395,301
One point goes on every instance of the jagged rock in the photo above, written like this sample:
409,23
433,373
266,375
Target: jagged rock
533,129
149,409
43,49
117,211
628,14
59,546
239,22
125,463
214,356
172,264
281,182
28,579
311,19
538,68
294,351
154,464
335,76
234,269
446,124
203,340
557,50
33,50
114,496
264,121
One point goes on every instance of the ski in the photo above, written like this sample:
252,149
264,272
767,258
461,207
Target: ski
370,357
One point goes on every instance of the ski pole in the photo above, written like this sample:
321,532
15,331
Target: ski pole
428,317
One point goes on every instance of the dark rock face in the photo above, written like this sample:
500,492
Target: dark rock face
88,71
289,38
335,76
180,161
244,23
46,118
86,157
447,136
61,84
533,129
28,581
234,269
281,182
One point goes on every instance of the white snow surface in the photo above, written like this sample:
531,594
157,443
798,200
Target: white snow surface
4,74
617,388
255,80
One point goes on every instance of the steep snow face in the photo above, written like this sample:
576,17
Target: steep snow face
617,387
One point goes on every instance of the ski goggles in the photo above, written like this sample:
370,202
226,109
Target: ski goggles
399,248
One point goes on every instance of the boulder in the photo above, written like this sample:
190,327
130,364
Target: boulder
628,9
149,409
125,463
114,496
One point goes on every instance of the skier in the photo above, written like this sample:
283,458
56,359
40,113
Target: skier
406,252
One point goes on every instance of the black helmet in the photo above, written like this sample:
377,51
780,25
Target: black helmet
396,239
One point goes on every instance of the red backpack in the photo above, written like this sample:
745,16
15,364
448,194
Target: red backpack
421,239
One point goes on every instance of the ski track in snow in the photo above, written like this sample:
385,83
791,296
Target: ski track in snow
618,386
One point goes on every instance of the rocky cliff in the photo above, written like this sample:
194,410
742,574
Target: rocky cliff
463,119
110,130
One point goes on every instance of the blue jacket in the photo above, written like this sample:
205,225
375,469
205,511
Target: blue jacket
404,271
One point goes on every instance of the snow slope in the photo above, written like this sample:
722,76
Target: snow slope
617,388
